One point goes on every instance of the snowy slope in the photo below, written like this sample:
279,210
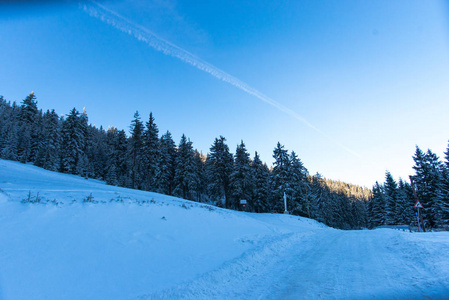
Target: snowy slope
114,250
139,245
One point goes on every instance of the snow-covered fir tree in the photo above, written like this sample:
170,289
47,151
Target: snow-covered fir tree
28,138
166,164
391,198
9,129
185,180
260,178
297,187
151,154
116,155
316,197
73,142
404,203
135,152
219,165
199,190
429,184
241,183
50,146
96,153
377,206
279,176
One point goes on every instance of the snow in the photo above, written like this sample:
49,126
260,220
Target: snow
140,245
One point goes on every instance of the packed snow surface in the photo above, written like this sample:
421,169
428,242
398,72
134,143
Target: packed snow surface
86,240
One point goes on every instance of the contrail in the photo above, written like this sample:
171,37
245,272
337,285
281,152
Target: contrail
143,34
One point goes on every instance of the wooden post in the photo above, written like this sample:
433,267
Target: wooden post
417,217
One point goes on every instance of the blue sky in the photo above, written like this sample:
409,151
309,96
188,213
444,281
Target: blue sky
370,76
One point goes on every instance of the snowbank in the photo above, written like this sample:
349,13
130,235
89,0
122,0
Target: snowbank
126,244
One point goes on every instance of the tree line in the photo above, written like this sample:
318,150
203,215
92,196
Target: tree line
145,160
392,202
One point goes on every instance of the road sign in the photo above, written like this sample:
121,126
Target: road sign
243,203
418,205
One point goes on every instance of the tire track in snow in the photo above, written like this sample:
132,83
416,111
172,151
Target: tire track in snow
358,265
322,264
234,277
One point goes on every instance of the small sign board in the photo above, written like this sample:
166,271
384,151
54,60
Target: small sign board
418,205
243,202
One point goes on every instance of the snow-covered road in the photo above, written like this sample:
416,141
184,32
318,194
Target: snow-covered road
335,264
357,265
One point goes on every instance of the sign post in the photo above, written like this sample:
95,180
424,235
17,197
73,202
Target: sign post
285,204
419,206
243,204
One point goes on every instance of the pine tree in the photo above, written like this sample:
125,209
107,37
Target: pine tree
404,204
297,186
420,179
280,177
49,148
260,174
111,176
150,153
185,175
360,213
9,130
317,195
166,165
29,109
199,189
391,198
437,189
11,142
73,142
116,157
120,152
218,169
7,120
135,152
241,183
27,139
430,185
378,206
98,151
87,157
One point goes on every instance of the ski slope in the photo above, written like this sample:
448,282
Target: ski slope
128,244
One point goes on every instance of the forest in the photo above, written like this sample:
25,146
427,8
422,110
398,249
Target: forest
392,202
146,160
